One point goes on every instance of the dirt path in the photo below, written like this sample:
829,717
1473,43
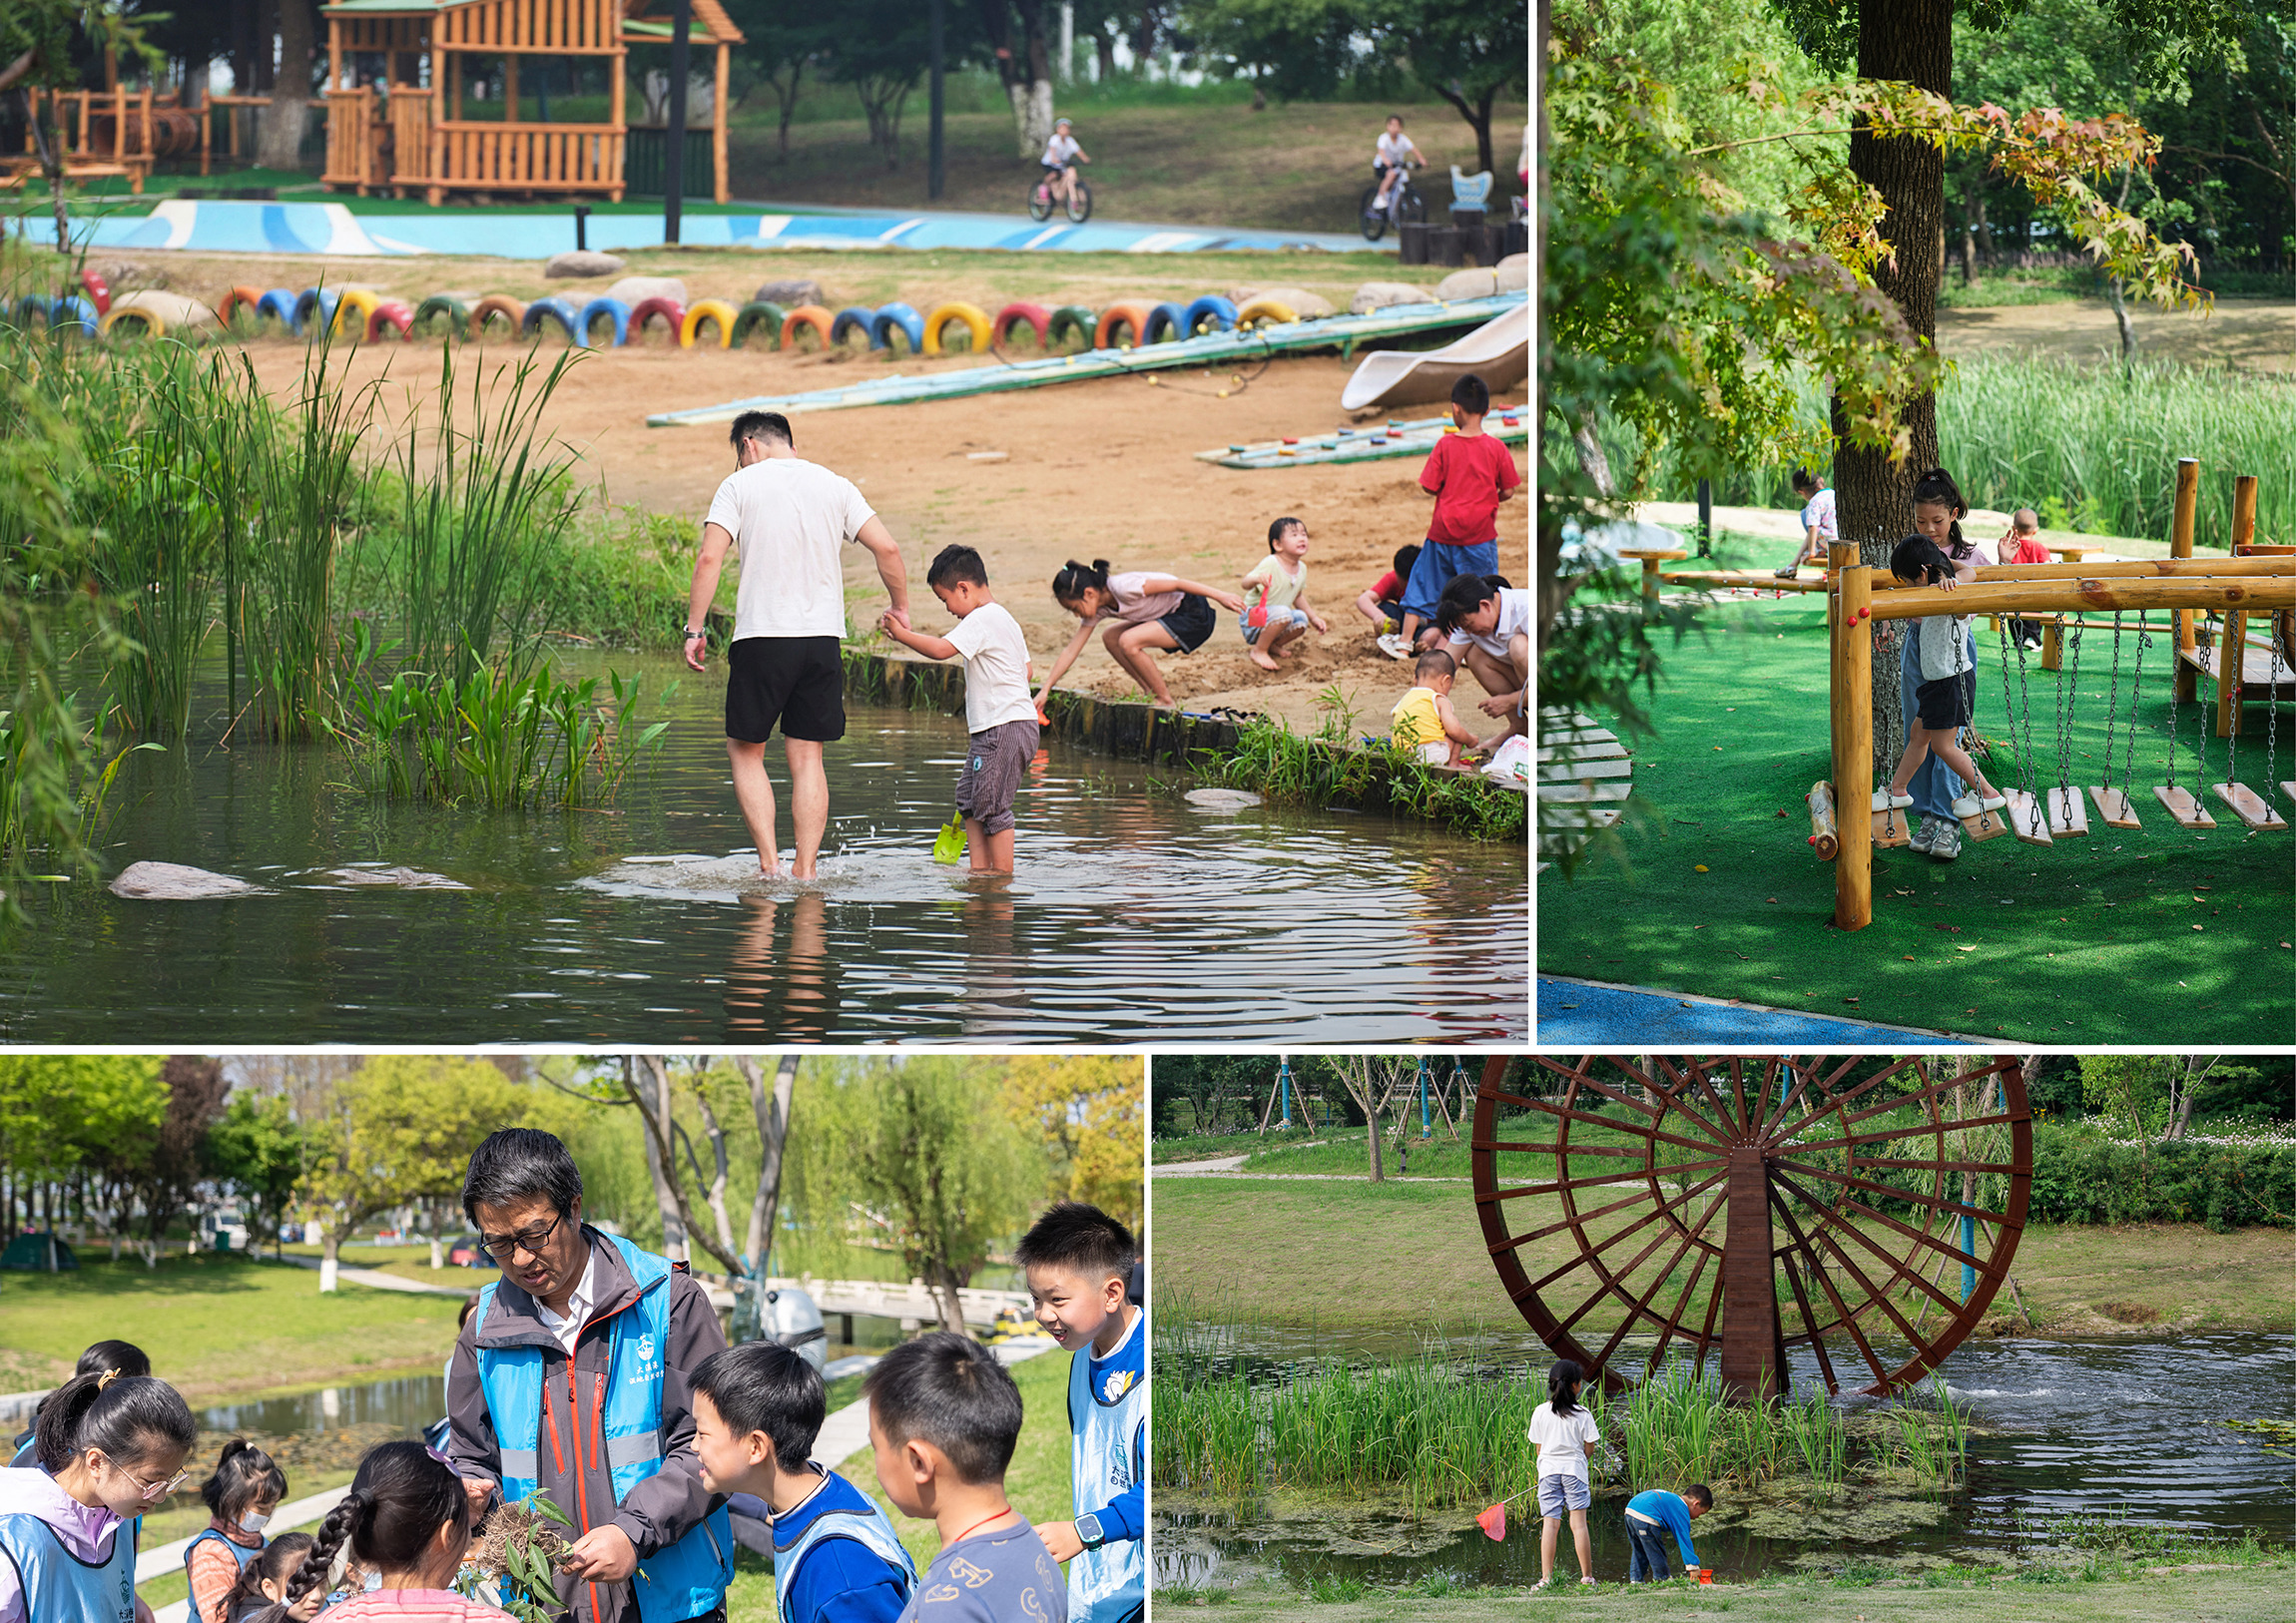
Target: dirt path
2248,334
1102,469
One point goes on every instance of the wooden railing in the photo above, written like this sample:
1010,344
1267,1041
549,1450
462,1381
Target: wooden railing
551,157
350,138
410,134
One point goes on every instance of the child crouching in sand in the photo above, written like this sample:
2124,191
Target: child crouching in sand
1279,582
1423,719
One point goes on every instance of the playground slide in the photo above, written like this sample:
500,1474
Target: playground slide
1499,351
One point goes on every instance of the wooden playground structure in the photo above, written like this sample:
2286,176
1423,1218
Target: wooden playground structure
2251,582
403,129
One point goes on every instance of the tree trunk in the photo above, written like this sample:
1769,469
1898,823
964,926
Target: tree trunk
329,1258
1104,50
281,142
789,101
1591,459
49,144
1910,40
716,1183
1477,116
647,1080
772,1111
1144,27
2121,303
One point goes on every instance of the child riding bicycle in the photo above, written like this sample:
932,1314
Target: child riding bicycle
1393,155
1061,155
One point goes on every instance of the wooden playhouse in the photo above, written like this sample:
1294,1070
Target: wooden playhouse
397,72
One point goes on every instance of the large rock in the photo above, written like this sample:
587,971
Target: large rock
396,879
172,881
791,293
631,290
1378,295
172,310
1306,305
583,262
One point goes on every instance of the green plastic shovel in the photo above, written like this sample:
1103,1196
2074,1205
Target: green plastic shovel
949,845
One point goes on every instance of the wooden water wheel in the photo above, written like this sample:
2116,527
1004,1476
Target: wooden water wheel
1736,1207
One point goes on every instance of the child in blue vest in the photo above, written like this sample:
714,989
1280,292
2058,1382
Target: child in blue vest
244,1489
837,1559
1653,1513
1079,1261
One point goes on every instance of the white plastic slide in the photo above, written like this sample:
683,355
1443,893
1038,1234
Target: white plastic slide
1499,352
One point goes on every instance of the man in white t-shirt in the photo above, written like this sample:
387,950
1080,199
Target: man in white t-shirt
1819,529
1393,154
1062,156
1489,631
790,518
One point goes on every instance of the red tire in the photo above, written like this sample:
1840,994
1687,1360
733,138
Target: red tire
1036,315
669,309
390,313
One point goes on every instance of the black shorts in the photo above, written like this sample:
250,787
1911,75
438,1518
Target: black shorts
1948,701
798,681
1193,621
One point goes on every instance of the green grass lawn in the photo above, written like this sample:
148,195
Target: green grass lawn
1399,1255
2119,937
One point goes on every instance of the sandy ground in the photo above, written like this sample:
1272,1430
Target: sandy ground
2248,334
1101,469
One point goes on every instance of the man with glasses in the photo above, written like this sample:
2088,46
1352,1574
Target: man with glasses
569,1380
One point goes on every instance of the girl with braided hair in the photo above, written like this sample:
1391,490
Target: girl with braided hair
262,1588
109,1447
406,1522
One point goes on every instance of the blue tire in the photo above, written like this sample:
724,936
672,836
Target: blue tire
890,317
70,311
852,316
1222,313
603,307
560,310
1166,321
323,300
28,310
280,303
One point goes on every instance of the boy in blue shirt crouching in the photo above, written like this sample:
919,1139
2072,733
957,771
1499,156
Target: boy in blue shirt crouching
837,1559
1079,1261
1654,1512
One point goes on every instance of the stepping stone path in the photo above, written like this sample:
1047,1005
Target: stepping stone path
1584,775
172,881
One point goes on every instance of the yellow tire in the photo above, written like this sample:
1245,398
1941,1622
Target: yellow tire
974,319
708,309
154,328
358,301
1265,313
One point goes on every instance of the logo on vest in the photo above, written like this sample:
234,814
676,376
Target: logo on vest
646,1349
1119,1382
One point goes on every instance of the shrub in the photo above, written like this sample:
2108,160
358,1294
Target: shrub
2226,1181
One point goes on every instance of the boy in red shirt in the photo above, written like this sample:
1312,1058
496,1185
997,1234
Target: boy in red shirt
1470,475
2020,544
1382,602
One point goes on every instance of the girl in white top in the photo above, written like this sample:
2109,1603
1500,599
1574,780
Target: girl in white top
1566,1434
1144,611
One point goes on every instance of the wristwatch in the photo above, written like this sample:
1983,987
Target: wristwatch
691,634
1088,1532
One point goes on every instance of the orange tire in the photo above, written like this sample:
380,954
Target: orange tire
250,296
510,309
808,315
1134,316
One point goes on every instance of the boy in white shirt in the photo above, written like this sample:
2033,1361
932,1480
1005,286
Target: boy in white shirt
1061,155
1392,157
998,710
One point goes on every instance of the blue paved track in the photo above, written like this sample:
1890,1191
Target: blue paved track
331,228
1579,1013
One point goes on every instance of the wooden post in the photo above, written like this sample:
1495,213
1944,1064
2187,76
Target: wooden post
1839,555
2180,541
618,143
2243,512
1853,723
718,121
334,56
1750,1366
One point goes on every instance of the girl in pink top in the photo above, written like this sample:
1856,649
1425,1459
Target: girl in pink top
1144,611
408,1520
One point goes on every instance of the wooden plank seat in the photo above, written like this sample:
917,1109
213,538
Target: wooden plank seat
1584,773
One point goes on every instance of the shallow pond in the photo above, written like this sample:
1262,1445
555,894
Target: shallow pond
1134,916
2063,1427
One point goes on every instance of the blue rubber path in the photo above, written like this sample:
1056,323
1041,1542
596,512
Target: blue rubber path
1590,1013
333,229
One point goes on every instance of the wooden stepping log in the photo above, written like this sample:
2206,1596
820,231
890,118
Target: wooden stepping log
2026,819
2249,806
2066,815
2188,813
2113,808
1825,833
2288,788
1985,825
1890,827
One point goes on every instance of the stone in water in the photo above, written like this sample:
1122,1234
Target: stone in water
173,881
398,879
1222,799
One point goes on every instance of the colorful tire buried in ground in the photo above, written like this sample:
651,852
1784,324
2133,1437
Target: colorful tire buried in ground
1265,313
1134,316
760,315
153,326
72,311
708,309
356,305
1165,321
27,311
890,317
1212,305
569,320
99,292
972,317
510,309
1068,317
669,309
252,298
806,317
613,309
457,312
850,317
282,303
391,312
1034,315
323,300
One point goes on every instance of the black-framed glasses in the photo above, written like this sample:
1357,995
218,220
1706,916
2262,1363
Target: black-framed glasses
503,1247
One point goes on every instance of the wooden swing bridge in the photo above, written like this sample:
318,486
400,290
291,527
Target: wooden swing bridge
2251,582
1702,1196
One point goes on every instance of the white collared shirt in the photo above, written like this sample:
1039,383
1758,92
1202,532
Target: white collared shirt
569,1328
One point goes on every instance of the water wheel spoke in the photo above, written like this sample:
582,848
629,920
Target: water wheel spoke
1661,1111
1572,1220
1815,1331
1641,1305
1890,1135
1674,1101
1693,1072
1826,1282
1593,1120
1927,1093
1944,1165
1706,1331
1840,1101
1565,1149
1639,1173
1806,1073
1674,1318
1592,1253
1829,1221
1922,1237
1580,1077
1936,1203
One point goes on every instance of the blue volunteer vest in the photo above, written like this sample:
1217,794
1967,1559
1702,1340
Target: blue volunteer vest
239,1553
865,1525
690,1577
1109,1582
58,1586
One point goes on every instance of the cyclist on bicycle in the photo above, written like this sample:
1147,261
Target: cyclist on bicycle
1393,155
1061,155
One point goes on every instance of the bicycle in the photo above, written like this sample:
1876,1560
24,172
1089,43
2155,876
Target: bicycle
1078,202
1405,207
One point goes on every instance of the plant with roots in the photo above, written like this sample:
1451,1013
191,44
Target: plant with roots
520,1548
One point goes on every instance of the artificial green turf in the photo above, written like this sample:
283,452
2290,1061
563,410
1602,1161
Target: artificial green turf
2092,941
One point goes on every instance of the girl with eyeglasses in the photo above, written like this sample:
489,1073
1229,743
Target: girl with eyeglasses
110,1447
